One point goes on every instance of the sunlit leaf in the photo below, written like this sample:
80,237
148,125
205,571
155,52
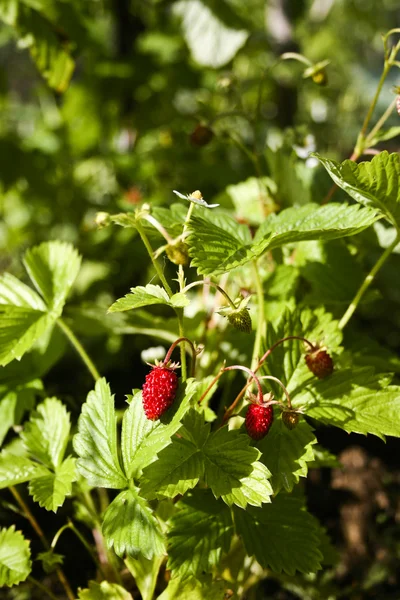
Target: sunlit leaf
15,557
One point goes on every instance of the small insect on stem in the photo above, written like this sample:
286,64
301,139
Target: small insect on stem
195,197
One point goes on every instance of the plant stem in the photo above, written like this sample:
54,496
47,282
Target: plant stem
211,283
194,352
156,265
180,311
88,548
42,587
370,112
79,348
279,382
35,525
367,282
380,122
179,314
261,316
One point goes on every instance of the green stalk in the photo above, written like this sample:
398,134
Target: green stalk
367,282
156,265
380,122
180,311
261,316
79,348
370,112
212,284
35,525
42,587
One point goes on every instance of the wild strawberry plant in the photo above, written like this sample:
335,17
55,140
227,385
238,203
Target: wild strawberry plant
193,489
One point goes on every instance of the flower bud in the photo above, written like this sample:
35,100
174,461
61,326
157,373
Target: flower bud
178,253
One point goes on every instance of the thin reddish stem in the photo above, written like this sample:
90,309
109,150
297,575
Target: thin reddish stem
174,345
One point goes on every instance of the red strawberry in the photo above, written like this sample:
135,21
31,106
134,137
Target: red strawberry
159,390
258,420
319,362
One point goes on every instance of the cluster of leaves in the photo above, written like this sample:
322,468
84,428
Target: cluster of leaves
186,494
231,493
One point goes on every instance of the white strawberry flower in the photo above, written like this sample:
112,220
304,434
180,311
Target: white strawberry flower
196,197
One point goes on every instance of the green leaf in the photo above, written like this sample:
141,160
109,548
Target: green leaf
145,572
15,557
312,222
145,296
374,184
201,588
14,404
20,328
200,531
232,469
50,560
50,488
142,439
286,453
15,469
384,136
53,267
282,536
104,591
355,400
130,527
15,293
46,433
37,33
96,440
252,199
219,245
211,43
177,469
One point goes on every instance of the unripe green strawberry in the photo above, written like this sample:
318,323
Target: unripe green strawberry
178,253
319,362
238,315
258,420
159,390
241,320
290,418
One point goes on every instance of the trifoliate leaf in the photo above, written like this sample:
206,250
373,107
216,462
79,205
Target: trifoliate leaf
204,586
355,400
232,470
15,557
46,433
104,591
96,440
146,296
50,488
312,222
286,453
143,439
15,469
200,531
130,527
50,560
53,267
20,328
145,572
211,43
374,184
282,536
